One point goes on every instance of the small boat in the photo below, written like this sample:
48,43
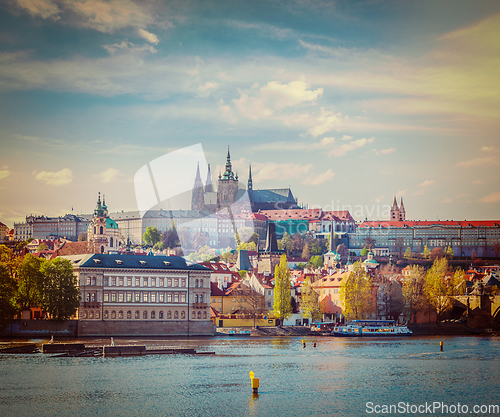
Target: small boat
371,328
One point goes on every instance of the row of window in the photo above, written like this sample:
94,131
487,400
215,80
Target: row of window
145,297
143,282
137,315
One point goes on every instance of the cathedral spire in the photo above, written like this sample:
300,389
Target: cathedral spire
228,174
250,182
208,183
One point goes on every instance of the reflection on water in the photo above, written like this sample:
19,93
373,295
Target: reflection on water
337,377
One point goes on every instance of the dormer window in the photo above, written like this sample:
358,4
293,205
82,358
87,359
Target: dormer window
118,261
97,261
167,263
142,262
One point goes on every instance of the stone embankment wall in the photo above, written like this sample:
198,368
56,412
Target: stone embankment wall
40,328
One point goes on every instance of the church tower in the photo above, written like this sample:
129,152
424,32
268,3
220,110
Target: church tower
227,186
402,213
395,211
208,183
198,198
250,182
103,234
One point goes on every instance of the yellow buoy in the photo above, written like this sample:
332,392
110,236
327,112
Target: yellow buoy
255,385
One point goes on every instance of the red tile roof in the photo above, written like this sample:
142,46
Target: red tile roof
413,223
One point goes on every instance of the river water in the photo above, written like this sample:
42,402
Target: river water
339,377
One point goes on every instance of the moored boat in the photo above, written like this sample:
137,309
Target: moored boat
371,328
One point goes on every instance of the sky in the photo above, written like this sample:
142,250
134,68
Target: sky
349,103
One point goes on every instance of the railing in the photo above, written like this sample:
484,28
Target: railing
90,304
200,305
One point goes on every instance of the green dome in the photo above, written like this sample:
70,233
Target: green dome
111,224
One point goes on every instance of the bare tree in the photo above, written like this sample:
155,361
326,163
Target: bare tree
250,302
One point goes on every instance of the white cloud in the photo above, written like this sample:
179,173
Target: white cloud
346,137
264,171
318,179
384,151
487,149
491,198
62,177
148,36
326,121
4,174
108,175
275,96
283,145
447,200
479,161
477,182
128,47
423,186
42,8
355,144
209,85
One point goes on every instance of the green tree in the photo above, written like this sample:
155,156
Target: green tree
203,254
310,301
306,252
436,288
364,251
30,281
317,261
426,253
287,243
300,266
151,236
60,295
82,237
407,254
282,306
413,291
7,296
356,293
42,246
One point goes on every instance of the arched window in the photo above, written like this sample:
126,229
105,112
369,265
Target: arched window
96,314
153,315
201,298
193,315
196,284
199,315
102,249
183,314
87,297
94,230
196,298
111,242
201,283
204,314
169,314
145,315
120,314
137,314
129,315
91,315
101,230
106,315
84,315
113,314
160,315
176,314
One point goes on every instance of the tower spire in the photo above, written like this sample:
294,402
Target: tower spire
250,182
208,183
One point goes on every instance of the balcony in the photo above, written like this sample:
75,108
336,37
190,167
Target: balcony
200,305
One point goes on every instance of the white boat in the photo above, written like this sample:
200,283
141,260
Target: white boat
371,328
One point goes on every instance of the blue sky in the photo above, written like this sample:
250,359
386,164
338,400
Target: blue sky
347,102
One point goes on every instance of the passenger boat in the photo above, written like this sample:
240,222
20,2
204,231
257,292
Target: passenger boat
371,328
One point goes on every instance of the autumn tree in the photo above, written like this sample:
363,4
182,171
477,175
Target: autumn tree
413,291
342,251
437,253
364,251
306,252
389,293
282,306
426,252
436,288
310,301
250,302
170,239
449,252
151,236
30,281
356,293
60,295
408,253
369,242
399,245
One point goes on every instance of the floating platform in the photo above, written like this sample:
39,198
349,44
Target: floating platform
62,347
24,348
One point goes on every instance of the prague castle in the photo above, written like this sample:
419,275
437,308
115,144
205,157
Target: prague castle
230,191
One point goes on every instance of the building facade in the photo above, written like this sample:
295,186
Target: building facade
68,227
131,295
